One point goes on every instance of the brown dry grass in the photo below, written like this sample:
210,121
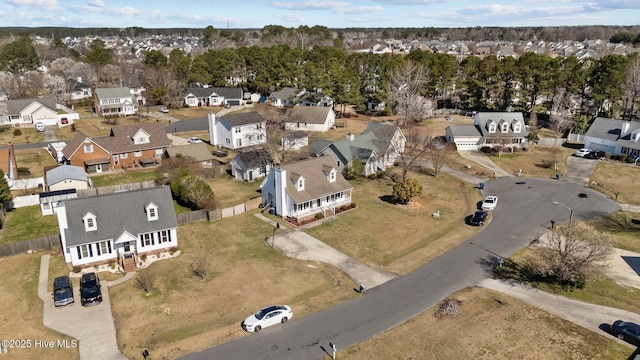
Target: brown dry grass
531,161
28,135
397,238
185,314
486,329
22,308
35,160
229,191
612,177
97,126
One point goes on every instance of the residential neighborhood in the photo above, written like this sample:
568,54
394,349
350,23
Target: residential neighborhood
172,196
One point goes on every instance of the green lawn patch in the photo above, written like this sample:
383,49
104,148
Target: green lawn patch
27,223
123,178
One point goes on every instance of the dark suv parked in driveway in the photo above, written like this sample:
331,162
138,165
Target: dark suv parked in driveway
62,291
595,155
90,293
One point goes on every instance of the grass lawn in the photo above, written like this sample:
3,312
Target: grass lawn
98,126
27,135
229,191
184,314
401,238
531,162
487,329
27,223
35,160
612,177
624,227
127,177
22,315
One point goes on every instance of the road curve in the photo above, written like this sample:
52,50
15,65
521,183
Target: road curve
525,209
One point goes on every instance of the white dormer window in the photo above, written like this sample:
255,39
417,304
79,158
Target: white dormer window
152,212
492,127
517,127
90,223
635,136
332,175
300,183
504,127
141,137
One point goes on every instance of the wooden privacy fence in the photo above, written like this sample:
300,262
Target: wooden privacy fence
46,243
217,214
116,188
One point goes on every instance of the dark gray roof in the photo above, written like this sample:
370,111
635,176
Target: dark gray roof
482,118
225,92
611,130
318,145
255,158
234,120
285,93
64,172
15,106
119,212
375,138
308,114
465,130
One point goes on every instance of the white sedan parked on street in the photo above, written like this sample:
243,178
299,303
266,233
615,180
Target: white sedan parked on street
489,203
266,317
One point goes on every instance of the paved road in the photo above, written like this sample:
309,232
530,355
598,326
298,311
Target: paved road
524,212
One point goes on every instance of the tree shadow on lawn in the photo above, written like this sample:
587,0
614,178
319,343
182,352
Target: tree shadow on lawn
389,199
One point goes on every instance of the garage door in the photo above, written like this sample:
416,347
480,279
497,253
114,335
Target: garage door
466,145
233,102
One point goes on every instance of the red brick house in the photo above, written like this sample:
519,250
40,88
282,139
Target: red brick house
125,147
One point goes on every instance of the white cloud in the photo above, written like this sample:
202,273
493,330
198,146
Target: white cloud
96,3
294,18
49,5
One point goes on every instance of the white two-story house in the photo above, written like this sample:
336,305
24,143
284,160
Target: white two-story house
115,101
300,190
117,227
237,131
491,129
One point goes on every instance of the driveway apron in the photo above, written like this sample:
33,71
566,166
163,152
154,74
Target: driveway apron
483,160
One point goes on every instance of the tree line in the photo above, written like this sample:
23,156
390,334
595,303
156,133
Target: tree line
562,88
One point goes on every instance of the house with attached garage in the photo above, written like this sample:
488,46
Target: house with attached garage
118,227
28,112
237,131
376,148
212,96
492,129
126,146
115,102
310,118
614,136
285,97
299,191
251,165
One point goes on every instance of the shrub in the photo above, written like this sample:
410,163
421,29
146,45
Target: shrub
17,132
73,127
607,155
548,163
24,171
372,176
485,149
200,267
77,269
353,205
630,160
146,279
143,257
622,157
112,265
319,216
173,250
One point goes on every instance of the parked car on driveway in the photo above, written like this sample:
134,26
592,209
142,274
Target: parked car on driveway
627,331
90,293
489,203
478,218
164,109
582,152
194,140
267,317
40,127
594,155
62,291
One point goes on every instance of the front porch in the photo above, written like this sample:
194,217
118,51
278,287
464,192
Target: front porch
326,206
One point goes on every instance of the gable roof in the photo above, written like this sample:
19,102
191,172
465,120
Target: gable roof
119,212
225,92
464,130
72,145
285,93
109,93
199,152
252,117
255,158
611,130
316,183
16,106
376,138
308,114
65,172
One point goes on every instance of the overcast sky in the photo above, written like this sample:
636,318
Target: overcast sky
330,13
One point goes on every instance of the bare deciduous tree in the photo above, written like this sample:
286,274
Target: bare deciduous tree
572,254
406,86
200,267
280,141
439,152
415,150
631,89
146,279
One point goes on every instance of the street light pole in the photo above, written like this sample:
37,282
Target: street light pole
570,211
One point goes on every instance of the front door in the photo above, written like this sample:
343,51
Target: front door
250,175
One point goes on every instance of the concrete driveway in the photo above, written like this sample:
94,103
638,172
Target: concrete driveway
483,160
93,326
579,170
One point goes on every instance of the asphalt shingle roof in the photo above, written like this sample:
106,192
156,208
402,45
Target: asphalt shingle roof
64,172
252,117
308,114
316,179
611,130
119,212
